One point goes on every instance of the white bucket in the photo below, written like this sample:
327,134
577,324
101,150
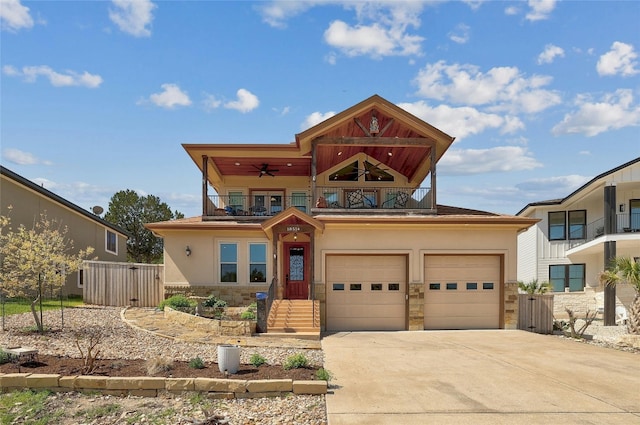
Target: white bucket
228,358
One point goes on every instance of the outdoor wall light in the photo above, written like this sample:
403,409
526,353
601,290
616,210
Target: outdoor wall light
295,236
621,207
187,251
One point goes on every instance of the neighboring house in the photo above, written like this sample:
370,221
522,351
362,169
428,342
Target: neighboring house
340,216
567,247
29,200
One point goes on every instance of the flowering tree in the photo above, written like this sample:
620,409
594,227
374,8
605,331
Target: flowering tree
36,257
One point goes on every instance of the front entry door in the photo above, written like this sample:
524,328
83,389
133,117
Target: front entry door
296,271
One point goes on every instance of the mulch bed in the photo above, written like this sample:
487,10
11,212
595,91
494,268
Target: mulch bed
117,367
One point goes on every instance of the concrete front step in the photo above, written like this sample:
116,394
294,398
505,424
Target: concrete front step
311,336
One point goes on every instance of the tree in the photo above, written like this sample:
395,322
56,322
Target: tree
534,287
131,212
36,258
628,270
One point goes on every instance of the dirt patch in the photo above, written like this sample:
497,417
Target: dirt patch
178,369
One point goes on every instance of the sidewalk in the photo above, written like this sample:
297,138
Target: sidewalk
153,321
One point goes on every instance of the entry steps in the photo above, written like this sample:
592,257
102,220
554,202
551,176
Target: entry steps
294,319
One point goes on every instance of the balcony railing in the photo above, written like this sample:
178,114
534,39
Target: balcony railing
625,223
326,200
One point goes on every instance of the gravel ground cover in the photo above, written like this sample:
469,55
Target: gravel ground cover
122,341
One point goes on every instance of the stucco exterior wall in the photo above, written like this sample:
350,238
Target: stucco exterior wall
26,208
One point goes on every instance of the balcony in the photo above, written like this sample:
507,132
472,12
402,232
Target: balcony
625,223
326,200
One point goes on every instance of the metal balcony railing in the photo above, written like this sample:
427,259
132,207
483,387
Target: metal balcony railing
325,200
625,223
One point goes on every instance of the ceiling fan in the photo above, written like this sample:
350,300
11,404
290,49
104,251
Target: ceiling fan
265,170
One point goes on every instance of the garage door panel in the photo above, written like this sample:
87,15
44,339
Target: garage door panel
368,299
462,307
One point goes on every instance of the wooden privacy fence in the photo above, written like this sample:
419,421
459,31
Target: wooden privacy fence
535,313
122,284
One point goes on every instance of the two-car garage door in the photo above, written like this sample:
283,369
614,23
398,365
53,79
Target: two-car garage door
366,292
462,292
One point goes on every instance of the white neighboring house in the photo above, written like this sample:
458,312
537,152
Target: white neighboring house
567,246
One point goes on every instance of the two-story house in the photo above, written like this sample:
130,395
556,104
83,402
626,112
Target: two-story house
341,217
575,235
25,201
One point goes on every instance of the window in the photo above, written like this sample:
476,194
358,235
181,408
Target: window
236,202
487,285
299,200
376,286
557,226
578,224
228,262
266,203
634,214
394,287
348,173
338,286
567,276
452,286
374,173
258,262
434,286
355,287
111,242
472,286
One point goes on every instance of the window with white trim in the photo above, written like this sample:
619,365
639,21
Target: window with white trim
257,262
229,263
111,242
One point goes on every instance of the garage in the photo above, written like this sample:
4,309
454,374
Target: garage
366,292
462,292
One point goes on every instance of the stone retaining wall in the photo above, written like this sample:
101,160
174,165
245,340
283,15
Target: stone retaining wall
150,386
213,326
234,295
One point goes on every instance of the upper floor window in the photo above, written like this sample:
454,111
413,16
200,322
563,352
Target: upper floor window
557,226
229,262
567,276
349,173
258,262
577,224
634,214
111,242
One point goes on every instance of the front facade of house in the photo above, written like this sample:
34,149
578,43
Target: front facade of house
24,202
341,216
575,234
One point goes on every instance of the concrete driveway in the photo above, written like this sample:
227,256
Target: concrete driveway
478,377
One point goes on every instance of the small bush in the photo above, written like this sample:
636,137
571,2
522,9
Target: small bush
178,302
4,357
248,315
296,361
257,360
159,365
196,363
324,375
214,301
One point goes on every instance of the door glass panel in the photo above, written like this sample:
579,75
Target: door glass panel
296,263
634,212
276,204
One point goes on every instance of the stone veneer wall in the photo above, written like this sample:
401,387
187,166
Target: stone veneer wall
416,306
142,386
591,299
511,305
234,295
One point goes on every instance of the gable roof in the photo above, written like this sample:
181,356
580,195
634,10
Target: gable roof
59,200
594,180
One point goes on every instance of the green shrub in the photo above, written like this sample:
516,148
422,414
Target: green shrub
178,302
324,375
214,301
196,363
4,357
248,315
296,361
257,360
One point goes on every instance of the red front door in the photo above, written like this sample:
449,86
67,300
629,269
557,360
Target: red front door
296,271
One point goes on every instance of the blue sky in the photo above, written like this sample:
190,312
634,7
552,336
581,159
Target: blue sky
98,96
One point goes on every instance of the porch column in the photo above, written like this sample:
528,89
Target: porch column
205,179
433,177
609,253
314,146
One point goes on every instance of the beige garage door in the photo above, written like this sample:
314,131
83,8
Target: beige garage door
366,292
462,292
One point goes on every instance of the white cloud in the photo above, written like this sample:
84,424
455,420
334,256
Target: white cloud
553,187
374,40
614,111
461,34
277,12
501,88
315,118
540,9
477,161
461,122
170,97
620,60
16,156
246,102
133,16
211,102
14,16
550,53
57,79
511,10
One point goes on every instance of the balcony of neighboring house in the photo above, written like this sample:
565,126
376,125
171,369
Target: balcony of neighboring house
325,200
626,224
